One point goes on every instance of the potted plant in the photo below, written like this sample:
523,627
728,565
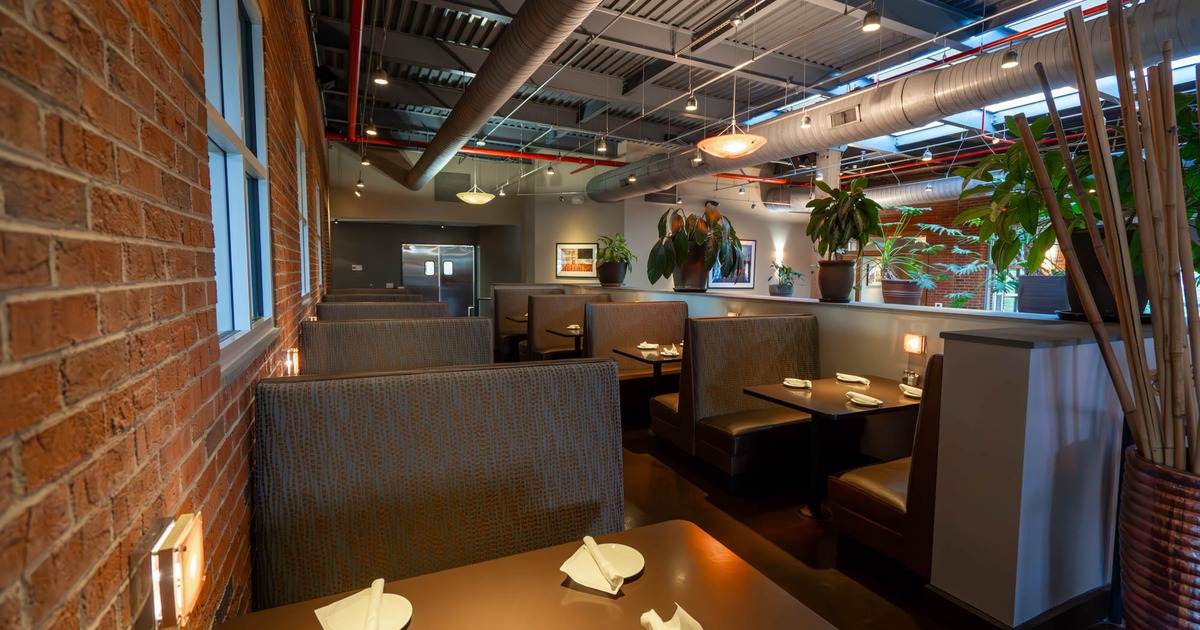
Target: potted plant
615,260
787,279
843,216
689,247
904,269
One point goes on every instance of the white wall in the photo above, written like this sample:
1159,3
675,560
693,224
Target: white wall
565,221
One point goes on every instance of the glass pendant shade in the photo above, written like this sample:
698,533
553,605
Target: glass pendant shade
475,196
732,143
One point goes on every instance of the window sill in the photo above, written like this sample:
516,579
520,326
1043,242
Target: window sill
241,350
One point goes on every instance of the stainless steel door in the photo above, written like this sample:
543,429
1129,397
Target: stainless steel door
421,273
458,277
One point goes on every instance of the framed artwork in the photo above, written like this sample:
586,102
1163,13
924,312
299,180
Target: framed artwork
575,260
872,272
741,278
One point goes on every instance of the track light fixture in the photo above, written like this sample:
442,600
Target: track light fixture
480,142
501,191
995,139
357,193
380,77
927,156
692,104
872,21
1011,59
737,19
805,121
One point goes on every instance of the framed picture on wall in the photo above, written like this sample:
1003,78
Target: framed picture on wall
575,260
741,278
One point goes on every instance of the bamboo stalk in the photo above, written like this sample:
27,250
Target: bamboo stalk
1109,201
1099,330
1081,193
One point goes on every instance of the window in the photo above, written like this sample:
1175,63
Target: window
302,210
320,237
233,81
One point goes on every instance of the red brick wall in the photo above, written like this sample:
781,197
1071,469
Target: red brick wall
115,408
943,213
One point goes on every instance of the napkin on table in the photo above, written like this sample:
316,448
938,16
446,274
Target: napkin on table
863,399
609,572
670,352
681,621
909,390
801,383
850,378
359,611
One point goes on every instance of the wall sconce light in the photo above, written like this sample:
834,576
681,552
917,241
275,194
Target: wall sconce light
312,318
914,344
731,314
291,362
177,570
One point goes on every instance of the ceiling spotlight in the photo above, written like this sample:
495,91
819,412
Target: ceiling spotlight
872,21
380,77
742,190
501,191
927,156
1010,59
805,121
360,183
632,177
692,104
372,131
550,170
737,19
357,193
928,186
480,142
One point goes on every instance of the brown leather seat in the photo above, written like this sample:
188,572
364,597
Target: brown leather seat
889,506
512,299
716,420
626,324
664,414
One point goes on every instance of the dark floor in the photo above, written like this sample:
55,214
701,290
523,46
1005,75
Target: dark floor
850,586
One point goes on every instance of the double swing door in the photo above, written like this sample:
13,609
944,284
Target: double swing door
442,273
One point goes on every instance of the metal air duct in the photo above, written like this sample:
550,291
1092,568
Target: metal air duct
917,100
918,193
539,27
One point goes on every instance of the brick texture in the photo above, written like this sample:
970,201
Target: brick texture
943,213
116,409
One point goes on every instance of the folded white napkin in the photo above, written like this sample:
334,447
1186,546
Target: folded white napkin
646,345
863,399
850,378
681,621
798,383
359,611
910,391
609,572
573,327
670,352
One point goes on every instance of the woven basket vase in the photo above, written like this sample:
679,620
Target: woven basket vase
1160,545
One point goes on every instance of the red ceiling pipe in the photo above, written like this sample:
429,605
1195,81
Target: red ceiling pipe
353,70
521,155
1000,42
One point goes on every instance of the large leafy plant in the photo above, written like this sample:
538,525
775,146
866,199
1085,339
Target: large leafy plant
787,275
615,249
905,256
711,231
843,216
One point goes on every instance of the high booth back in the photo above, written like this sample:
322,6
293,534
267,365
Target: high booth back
373,297
512,300
349,311
377,345
623,324
556,311
365,290
400,474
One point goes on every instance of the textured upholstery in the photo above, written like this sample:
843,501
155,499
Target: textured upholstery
555,311
622,324
889,506
375,345
348,311
513,300
365,290
401,474
725,355
373,297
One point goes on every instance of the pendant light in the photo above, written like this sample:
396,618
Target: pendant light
362,155
734,142
1011,59
872,21
474,195
550,170
927,156
698,159
692,104
480,142
632,177
357,193
805,121
928,186
371,130
380,76
741,190
602,145
502,191
820,175
360,183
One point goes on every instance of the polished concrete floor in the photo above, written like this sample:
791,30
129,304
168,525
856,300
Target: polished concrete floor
851,586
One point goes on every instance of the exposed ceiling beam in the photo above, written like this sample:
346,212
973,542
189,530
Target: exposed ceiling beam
923,19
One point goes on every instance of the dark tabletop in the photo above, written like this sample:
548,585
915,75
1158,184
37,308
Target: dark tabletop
651,356
565,332
520,319
828,397
527,591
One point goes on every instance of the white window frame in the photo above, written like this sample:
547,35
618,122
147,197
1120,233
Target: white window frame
302,210
240,329
320,236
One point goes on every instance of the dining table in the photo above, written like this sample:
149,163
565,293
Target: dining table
520,319
683,564
655,358
826,402
575,334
